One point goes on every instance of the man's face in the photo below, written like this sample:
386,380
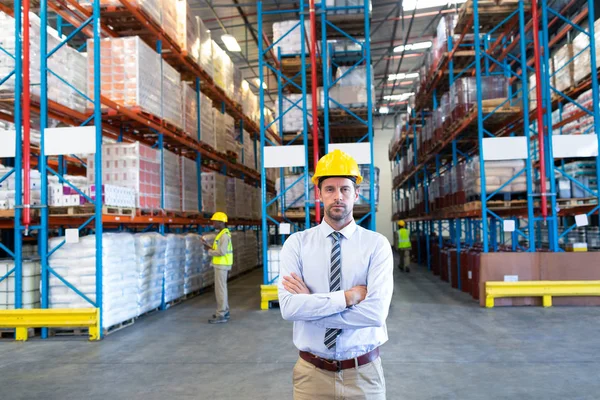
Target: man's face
216,224
338,195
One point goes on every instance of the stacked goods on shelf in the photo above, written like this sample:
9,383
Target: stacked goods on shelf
152,8
130,72
237,85
445,30
223,69
115,196
365,185
580,126
294,197
463,94
269,118
7,189
66,62
497,173
172,109
583,172
174,267
194,251
30,292
292,111
287,38
350,89
230,200
208,132
564,67
224,132
187,30
168,19
76,263
189,185
190,110
206,48
172,181
150,251
131,165
250,102
214,192
249,158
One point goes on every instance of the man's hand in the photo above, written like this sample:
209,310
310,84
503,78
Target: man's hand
355,295
295,285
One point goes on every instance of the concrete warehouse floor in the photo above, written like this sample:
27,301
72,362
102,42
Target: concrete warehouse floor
442,346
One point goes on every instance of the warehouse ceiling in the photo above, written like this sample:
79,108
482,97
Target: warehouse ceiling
393,23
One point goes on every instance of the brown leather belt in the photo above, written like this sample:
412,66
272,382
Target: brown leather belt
337,365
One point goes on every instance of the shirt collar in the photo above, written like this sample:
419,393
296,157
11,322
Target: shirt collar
347,232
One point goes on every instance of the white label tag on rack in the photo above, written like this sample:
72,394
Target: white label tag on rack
511,278
8,144
509,225
285,229
72,235
361,152
568,146
581,220
70,140
505,148
284,156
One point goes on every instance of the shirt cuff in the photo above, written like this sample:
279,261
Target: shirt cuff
339,300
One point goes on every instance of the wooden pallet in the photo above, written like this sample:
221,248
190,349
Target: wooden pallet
491,12
123,211
577,201
7,213
119,326
84,210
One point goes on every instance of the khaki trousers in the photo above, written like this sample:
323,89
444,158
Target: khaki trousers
404,258
221,292
365,382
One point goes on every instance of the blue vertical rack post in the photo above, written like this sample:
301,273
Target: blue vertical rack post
16,252
284,106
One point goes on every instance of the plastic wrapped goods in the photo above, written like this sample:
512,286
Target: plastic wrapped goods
76,263
189,185
172,181
497,173
30,285
194,251
190,110
131,165
214,192
174,267
293,114
463,94
206,48
66,62
187,30
564,68
130,73
287,37
172,109
150,267
274,260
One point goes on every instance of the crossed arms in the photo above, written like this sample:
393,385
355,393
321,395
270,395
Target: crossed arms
359,307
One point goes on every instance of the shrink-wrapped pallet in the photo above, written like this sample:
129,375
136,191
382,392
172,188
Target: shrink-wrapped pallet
189,185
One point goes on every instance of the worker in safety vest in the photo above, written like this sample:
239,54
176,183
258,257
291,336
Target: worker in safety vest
222,261
404,247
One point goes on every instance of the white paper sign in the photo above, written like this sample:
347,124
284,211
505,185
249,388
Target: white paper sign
509,225
581,220
70,140
8,144
284,156
505,148
72,235
361,152
567,146
511,278
285,229
470,274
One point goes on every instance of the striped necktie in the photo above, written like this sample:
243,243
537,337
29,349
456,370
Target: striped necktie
335,283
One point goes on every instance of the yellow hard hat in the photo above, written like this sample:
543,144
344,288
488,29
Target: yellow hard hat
401,223
337,163
219,216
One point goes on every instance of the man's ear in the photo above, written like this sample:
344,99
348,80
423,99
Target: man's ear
356,192
318,189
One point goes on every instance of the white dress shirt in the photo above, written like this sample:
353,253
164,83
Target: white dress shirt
366,260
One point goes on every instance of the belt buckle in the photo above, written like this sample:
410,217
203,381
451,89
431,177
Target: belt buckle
336,363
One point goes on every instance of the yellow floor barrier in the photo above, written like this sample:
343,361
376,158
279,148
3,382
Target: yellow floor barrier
268,293
21,320
544,289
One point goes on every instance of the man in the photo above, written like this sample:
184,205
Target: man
222,261
337,287
404,247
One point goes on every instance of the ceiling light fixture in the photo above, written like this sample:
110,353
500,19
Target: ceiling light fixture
413,46
231,43
410,5
402,76
384,110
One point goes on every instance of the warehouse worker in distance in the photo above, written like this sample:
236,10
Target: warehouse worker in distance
404,247
222,261
337,283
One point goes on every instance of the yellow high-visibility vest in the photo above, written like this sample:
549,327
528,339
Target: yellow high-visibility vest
227,259
403,239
